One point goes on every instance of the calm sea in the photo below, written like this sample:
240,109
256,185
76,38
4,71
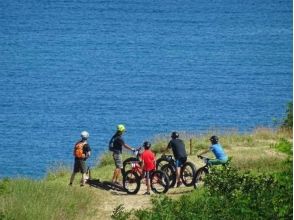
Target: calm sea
155,66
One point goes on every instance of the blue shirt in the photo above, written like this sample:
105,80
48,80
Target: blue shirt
219,152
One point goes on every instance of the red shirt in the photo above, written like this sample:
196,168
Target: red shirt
148,158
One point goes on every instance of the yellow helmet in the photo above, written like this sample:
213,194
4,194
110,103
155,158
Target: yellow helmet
121,128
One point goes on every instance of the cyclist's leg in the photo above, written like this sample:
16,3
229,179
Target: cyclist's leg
148,181
212,162
179,164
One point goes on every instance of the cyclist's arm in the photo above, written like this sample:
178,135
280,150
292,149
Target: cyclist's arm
204,152
127,147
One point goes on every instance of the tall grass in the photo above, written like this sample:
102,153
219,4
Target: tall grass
28,199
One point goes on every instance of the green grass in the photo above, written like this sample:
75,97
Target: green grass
261,151
29,199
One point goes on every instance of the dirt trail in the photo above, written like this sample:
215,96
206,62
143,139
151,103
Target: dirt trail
109,200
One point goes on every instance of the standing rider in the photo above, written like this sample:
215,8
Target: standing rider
82,152
148,163
218,151
178,147
115,145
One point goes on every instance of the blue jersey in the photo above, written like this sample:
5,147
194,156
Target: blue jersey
219,152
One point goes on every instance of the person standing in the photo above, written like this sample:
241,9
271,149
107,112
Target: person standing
179,151
116,145
81,152
148,164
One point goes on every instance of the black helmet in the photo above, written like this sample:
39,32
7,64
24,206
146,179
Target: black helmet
214,139
146,145
175,134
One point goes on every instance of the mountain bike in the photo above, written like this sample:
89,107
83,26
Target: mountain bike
203,171
167,164
159,181
127,163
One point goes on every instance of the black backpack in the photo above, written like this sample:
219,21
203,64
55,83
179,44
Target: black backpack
110,145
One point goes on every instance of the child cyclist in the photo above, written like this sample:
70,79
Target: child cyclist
218,151
148,163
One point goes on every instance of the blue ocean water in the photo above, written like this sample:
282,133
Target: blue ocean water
155,66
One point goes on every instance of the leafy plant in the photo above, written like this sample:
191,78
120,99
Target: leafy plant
284,146
288,121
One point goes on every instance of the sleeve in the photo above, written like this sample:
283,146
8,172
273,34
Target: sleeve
211,147
121,140
88,148
169,145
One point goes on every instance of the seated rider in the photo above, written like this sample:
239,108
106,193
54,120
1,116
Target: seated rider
148,164
179,151
220,155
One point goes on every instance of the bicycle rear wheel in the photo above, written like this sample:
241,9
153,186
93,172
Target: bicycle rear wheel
171,173
200,177
188,172
131,182
159,182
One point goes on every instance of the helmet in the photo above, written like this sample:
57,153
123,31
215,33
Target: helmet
175,134
214,139
146,145
85,135
121,128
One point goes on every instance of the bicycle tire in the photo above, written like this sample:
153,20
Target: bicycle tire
131,182
188,172
159,182
171,173
128,162
200,176
160,162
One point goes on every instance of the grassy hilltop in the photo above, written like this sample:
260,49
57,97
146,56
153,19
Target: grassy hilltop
260,180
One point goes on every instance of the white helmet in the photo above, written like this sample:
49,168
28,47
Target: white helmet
85,135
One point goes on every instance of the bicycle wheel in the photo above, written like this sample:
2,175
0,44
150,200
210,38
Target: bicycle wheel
171,173
127,164
187,174
160,162
200,176
159,182
131,182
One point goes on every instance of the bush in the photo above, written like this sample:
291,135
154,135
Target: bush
228,194
288,121
284,146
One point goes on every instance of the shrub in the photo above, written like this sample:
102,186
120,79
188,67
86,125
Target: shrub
228,194
288,121
284,146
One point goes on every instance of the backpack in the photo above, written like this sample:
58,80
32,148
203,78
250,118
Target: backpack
78,151
110,145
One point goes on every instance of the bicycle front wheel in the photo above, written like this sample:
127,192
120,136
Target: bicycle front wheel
159,182
131,182
188,172
200,177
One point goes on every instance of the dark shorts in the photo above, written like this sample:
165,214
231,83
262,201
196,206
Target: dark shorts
80,166
180,161
117,160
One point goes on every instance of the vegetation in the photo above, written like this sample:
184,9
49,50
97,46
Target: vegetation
257,185
228,194
288,120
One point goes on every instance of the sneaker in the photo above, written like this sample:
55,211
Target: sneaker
179,184
146,193
81,185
